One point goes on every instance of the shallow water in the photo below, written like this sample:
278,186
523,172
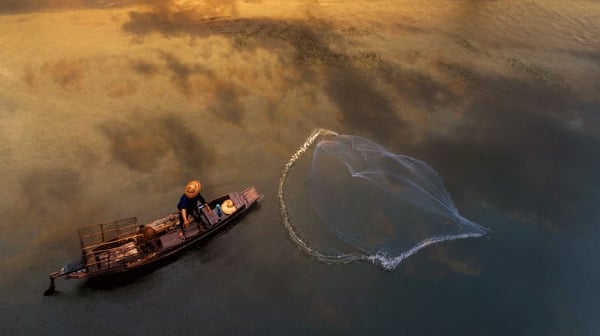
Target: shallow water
108,107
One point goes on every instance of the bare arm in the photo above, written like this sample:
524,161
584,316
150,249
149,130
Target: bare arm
186,223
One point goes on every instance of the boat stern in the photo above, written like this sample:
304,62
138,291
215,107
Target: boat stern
69,271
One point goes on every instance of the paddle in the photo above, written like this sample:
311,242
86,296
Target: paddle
50,289
67,269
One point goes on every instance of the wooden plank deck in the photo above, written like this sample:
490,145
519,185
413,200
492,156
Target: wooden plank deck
172,238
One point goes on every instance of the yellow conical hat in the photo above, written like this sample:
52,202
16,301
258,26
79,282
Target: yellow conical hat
228,207
192,188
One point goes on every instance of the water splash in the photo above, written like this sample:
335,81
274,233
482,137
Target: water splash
283,209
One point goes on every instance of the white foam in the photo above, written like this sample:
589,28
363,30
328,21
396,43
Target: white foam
389,263
283,210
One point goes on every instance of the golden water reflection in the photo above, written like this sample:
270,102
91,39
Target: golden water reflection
104,101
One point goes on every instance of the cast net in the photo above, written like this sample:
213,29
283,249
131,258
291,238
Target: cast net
355,200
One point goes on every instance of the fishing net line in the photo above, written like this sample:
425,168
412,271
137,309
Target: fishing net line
354,200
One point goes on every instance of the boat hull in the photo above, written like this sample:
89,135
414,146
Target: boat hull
145,246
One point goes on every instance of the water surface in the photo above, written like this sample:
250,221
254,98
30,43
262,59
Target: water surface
108,107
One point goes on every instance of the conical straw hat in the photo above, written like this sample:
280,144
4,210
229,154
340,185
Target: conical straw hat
192,189
228,207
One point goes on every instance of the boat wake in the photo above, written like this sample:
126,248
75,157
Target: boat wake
357,201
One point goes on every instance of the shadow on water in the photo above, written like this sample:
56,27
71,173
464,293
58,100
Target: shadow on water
141,145
348,82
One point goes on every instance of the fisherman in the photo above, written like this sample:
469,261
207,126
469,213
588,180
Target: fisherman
188,205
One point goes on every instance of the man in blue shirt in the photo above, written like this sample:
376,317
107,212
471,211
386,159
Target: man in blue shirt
188,204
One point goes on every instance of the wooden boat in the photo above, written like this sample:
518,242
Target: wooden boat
123,245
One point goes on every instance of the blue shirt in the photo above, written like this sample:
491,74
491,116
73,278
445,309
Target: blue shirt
190,204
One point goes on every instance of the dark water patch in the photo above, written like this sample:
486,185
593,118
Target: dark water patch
420,88
19,6
144,68
28,6
226,94
524,93
587,119
366,60
366,108
182,72
68,74
310,46
468,45
537,72
142,144
309,38
30,77
363,108
139,148
227,104
515,152
589,55
187,144
356,30
463,73
165,21
305,37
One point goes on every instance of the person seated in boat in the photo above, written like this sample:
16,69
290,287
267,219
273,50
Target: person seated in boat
188,205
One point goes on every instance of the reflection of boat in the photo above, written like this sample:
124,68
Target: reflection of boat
123,245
